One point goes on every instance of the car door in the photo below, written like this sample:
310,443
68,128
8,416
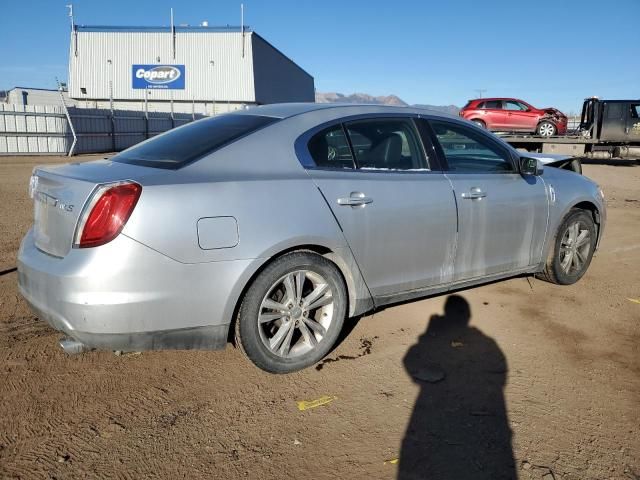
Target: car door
493,115
614,121
502,216
519,117
396,210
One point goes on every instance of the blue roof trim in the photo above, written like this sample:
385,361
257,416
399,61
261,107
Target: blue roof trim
179,29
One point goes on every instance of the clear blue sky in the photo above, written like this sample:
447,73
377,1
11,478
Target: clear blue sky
436,52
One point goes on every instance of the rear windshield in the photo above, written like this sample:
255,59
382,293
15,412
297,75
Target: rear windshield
183,145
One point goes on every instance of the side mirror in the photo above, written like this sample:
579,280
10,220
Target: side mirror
530,166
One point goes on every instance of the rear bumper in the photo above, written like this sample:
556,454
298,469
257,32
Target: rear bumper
126,296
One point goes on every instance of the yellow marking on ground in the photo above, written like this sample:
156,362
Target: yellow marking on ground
307,404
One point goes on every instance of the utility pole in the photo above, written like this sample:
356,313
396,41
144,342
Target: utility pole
480,91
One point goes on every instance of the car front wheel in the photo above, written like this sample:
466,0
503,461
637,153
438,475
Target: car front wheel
546,129
573,249
292,313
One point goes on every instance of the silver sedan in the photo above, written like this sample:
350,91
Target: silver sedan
274,224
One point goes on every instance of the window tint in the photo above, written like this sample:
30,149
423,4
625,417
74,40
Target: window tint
180,146
468,151
329,148
635,110
493,104
511,105
482,105
389,144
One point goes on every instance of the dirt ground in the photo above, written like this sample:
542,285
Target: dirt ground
540,382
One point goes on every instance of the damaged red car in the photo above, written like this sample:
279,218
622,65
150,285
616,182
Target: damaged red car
514,115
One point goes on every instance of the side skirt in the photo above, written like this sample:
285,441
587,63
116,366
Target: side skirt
439,289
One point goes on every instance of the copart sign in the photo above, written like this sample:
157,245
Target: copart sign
169,77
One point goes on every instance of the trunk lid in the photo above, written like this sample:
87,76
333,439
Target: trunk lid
60,193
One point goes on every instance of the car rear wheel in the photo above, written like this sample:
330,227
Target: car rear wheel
546,129
573,249
480,123
292,313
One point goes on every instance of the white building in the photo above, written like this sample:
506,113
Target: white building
37,96
205,70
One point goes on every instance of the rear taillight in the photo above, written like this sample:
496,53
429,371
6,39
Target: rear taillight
106,214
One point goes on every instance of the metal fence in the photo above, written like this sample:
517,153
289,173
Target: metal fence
51,130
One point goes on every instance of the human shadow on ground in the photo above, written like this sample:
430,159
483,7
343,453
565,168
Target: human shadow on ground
459,427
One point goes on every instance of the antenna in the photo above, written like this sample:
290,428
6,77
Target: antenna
73,30
173,36
242,26
70,7
480,91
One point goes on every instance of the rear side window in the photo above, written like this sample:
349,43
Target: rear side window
183,145
386,144
330,148
493,104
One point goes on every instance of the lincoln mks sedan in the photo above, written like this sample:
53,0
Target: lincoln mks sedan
270,226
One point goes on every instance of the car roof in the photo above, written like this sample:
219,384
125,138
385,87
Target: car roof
287,110
484,99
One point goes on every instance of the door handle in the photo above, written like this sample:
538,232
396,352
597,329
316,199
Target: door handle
475,193
355,199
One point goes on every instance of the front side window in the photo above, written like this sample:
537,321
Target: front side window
329,148
511,105
635,110
386,144
468,151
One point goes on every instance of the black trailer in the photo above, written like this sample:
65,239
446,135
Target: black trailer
608,129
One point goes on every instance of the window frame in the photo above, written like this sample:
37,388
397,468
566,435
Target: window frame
427,149
479,133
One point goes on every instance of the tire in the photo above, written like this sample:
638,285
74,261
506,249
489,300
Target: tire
546,129
557,270
480,123
272,302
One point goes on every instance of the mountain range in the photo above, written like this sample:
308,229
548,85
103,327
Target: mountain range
334,97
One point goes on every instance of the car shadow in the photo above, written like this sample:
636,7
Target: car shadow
459,427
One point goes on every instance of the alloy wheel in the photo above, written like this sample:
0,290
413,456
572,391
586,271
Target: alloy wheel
296,313
574,248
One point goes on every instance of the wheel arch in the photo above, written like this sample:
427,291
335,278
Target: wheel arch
358,295
577,204
547,120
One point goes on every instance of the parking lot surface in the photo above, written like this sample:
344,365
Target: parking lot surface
518,378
